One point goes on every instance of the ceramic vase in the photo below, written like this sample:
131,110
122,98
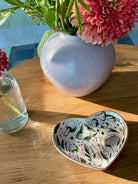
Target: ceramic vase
74,66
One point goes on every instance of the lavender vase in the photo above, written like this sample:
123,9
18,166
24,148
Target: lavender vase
75,67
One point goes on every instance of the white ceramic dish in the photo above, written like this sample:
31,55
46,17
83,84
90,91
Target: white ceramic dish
94,142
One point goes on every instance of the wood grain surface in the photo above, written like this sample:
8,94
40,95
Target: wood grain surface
29,156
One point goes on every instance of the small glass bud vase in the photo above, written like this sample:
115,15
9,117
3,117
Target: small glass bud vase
13,113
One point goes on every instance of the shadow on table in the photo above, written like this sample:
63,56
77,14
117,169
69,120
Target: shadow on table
47,116
128,157
119,92
119,168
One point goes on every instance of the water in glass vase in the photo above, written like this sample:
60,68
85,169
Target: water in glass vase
10,96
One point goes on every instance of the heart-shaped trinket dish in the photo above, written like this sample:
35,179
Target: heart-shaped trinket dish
94,142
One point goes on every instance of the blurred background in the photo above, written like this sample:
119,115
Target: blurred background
19,37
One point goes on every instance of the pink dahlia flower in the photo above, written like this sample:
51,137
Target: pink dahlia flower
3,62
109,21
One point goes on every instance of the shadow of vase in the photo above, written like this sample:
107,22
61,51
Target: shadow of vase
118,92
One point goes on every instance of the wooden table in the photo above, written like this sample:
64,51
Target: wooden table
29,157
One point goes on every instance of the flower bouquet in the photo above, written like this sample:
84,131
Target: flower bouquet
97,21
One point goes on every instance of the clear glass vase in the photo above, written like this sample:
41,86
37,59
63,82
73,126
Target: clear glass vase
10,96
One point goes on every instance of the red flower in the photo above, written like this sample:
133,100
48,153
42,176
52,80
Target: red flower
3,62
109,21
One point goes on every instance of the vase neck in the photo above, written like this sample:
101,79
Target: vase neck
71,37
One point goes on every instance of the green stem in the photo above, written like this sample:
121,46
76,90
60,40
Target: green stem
68,23
34,14
61,5
9,9
62,22
11,106
56,14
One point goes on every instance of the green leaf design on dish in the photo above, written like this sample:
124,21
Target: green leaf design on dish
105,157
89,157
78,136
82,160
75,149
86,148
87,138
86,133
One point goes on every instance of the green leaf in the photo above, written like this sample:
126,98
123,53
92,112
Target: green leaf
44,38
3,17
43,4
34,19
9,9
78,16
69,7
50,18
15,2
63,6
4,13
39,1
84,5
